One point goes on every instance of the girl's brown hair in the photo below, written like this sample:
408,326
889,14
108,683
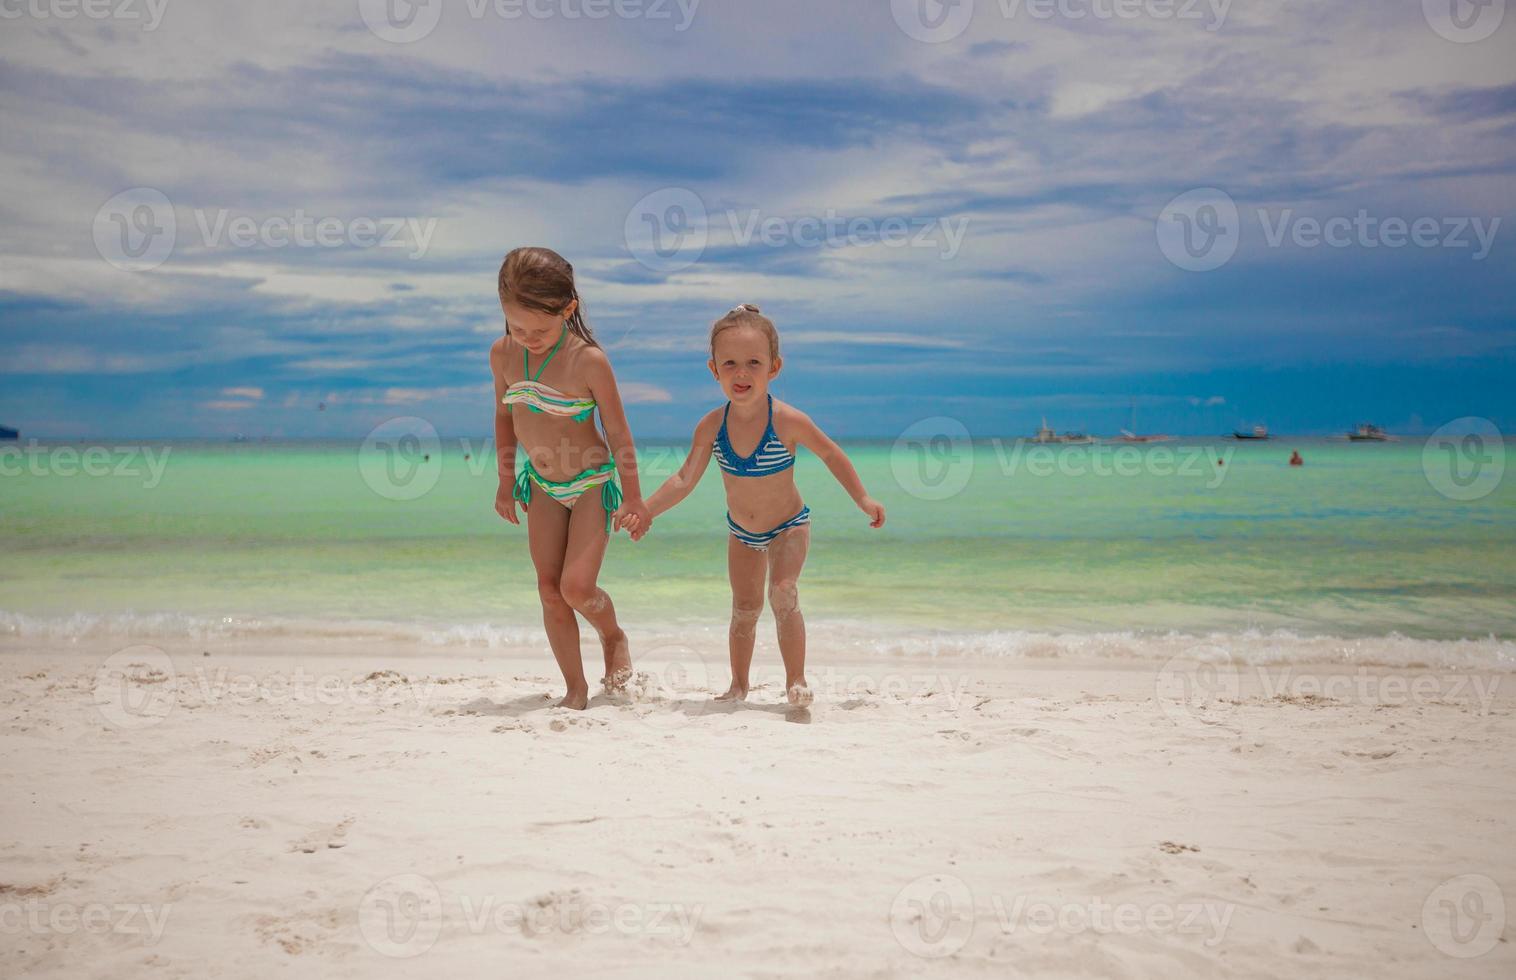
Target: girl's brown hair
747,315
541,279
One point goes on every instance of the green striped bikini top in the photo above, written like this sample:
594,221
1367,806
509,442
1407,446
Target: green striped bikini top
541,398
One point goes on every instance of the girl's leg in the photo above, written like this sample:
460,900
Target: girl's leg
587,540
786,558
746,568
547,525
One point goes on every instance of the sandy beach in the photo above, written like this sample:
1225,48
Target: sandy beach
261,808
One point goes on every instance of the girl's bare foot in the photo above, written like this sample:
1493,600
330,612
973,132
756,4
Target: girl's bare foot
618,662
799,695
577,700
737,692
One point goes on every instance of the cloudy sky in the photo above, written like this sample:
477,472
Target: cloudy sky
220,216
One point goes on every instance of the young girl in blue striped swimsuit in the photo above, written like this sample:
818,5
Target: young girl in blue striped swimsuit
769,525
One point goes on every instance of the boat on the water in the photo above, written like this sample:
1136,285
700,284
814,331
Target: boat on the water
1046,435
1130,435
1259,432
1368,432
8,434
1134,437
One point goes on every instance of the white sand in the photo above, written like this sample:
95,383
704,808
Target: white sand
258,813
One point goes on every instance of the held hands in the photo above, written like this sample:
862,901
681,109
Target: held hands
634,517
874,509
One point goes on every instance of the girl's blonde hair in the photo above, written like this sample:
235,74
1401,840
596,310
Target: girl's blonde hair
747,315
541,279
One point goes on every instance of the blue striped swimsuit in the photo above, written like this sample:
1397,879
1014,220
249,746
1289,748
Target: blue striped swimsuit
769,458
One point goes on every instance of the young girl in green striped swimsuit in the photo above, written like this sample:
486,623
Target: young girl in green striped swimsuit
550,377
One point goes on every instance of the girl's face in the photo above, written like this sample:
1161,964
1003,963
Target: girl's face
533,329
743,365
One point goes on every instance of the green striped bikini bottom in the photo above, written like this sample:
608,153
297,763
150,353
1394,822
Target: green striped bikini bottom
568,492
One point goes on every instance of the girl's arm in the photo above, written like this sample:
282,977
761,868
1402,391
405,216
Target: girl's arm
602,382
505,439
678,486
809,435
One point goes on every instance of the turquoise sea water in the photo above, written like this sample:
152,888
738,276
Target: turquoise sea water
1357,543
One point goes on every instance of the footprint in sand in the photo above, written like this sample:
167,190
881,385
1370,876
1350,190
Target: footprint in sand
319,840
